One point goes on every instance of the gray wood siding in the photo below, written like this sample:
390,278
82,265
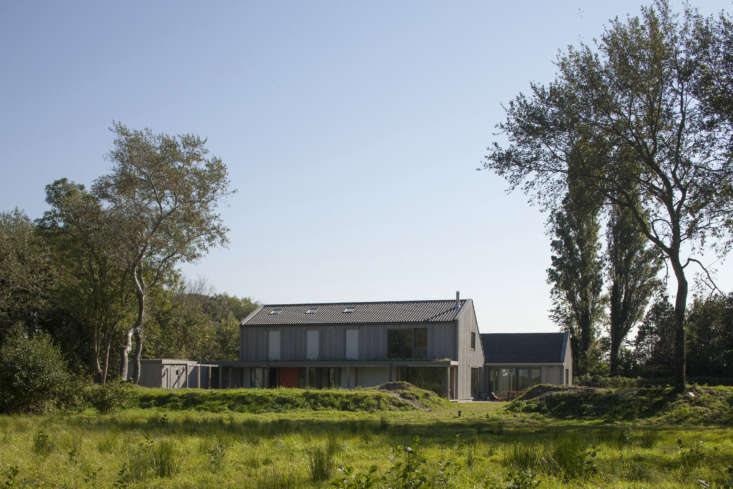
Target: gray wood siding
468,358
292,345
372,343
568,362
332,341
253,344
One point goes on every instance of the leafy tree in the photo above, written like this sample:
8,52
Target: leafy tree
186,322
33,374
94,297
637,94
713,80
654,343
632,268
576,271
710,336
27,272
164,193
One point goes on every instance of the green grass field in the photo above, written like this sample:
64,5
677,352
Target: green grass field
208,445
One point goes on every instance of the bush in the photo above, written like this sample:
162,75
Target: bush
33,374
111,396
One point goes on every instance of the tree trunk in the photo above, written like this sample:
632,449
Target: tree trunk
125,351
614,354
137,330
680,305
615,326
106,364
138,355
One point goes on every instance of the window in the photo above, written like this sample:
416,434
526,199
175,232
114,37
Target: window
352,344
473,341
407,344
276,311
420,336
527,377
475,382
502,380
349,310
399,343
311,343
273,345
257,377
312,310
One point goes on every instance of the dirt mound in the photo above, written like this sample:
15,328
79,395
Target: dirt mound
697,405
420,398
543,390
395,386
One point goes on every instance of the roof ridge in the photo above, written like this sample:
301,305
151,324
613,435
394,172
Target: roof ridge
360,302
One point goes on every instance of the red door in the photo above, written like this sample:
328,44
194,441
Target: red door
288,377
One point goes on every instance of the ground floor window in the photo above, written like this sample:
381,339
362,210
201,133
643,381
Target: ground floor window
321,377
428,378
475,382
503,380
257,377
527,377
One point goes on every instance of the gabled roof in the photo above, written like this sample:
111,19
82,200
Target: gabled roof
427,311
524,347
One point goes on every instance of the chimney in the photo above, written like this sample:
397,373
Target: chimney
458,299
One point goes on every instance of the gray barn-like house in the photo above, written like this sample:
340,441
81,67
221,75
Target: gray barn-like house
515,361
434,344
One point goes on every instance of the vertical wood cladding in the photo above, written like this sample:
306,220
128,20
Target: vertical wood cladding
332,341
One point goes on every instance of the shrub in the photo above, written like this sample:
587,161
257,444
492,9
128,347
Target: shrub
42,444
33,374
111,396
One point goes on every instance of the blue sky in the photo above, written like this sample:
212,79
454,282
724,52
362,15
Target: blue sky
351,131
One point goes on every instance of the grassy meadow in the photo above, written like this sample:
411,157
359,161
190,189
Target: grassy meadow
194,439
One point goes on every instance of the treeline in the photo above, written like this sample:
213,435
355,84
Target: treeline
633,136
650,352
44,291
97,273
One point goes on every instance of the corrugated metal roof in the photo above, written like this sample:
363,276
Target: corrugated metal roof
431,311
524,347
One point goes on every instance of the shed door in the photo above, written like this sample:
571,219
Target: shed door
352,344
312,345
273,346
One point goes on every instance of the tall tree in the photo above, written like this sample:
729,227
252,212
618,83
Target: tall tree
654,342
93,291
710,336
27,274
633,267
164,191
576,273
636,93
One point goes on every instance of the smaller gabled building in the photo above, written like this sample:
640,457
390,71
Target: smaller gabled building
514,362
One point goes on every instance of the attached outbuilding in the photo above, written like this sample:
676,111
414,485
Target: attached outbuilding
170,373
513,362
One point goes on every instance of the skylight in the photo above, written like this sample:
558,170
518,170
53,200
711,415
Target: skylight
311,310
349,310
276,311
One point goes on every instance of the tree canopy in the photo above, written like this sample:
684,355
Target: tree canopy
653,108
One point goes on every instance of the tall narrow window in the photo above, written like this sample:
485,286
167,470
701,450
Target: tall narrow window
273,345
473,341
399,343
311,341
352,344
420,336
